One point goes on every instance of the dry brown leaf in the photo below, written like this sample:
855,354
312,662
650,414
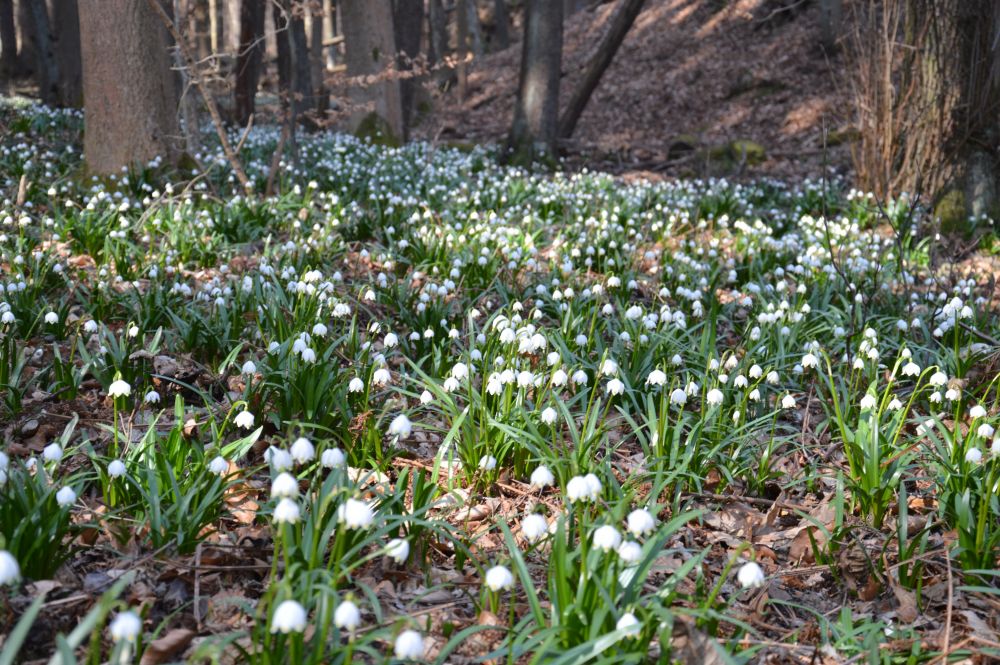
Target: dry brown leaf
168,646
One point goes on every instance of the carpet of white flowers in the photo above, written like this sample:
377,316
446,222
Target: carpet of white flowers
415,405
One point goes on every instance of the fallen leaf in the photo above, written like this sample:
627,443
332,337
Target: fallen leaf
165,648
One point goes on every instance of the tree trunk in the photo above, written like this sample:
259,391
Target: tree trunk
217,25
201,28
462,48
8,40
130,108
284,60
232,30
474,27
302,89
830,16
249,57
621,22
46,69
501,25
66,44
437,29
371,50
188,104
535,125
27,57
317,61
408,19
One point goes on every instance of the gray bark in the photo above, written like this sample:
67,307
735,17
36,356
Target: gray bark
534,128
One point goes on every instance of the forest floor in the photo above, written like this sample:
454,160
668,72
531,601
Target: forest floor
691,78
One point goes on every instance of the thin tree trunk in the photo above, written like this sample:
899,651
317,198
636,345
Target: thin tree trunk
46,68
217,25
536,112
249,57
831,14
474,27
302,90
130,108
501,25
66,40
8,40
189,110
437,29
27,57
462,48
317,61
621,22
408,19
284,61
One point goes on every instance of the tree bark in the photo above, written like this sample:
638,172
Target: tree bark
621,22
46,69
831,14
371,52
462,47
437,29
217,25
317,61
8,40
66,40
27,58
408,19
130,108
534,128
501,25
249,57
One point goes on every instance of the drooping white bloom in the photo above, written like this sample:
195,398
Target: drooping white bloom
487,462
542,477
678,397
750,575
641,522
244,419
51,318
401,426
868,402
609,367
219,465
615,387
578,490
287,512
548,415
788,402
302,451
606,538
381,377
151,397
985,430
333,458
116,468
409,645
594,486
289,617
390,340
911,369
398,550
279,459
629,624
249,367
119,388
347,616
52,453
355,385
809,360
938,379
125,627
974,456
579,377
284,486
714,397
534,527
355,514
977,412
9,570
656,378
630,552
499,578
65,497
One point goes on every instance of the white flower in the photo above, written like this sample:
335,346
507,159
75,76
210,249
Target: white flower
577,489
390,340
401,426
287,512
607,538
319,330
381,377
356,385
426,397
397,550
347,616
244,419
409,645
355,514
629,624
678,397
868,402
630,552
460,371
973,456
911,369
499,578
714,397
119,388
51,318
788,402
248,367
487,462
219,465
65,497
809,360
750,575
302,450
656,378
279,459
333,458
548,415
895,404
977,411
52,452
559,378
289,617
9,570
615,387
116,468
542,477
308,355
579,377
985,430
593,485
938,379
126,627
609,367
641,522
284,486
534,527
151,397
